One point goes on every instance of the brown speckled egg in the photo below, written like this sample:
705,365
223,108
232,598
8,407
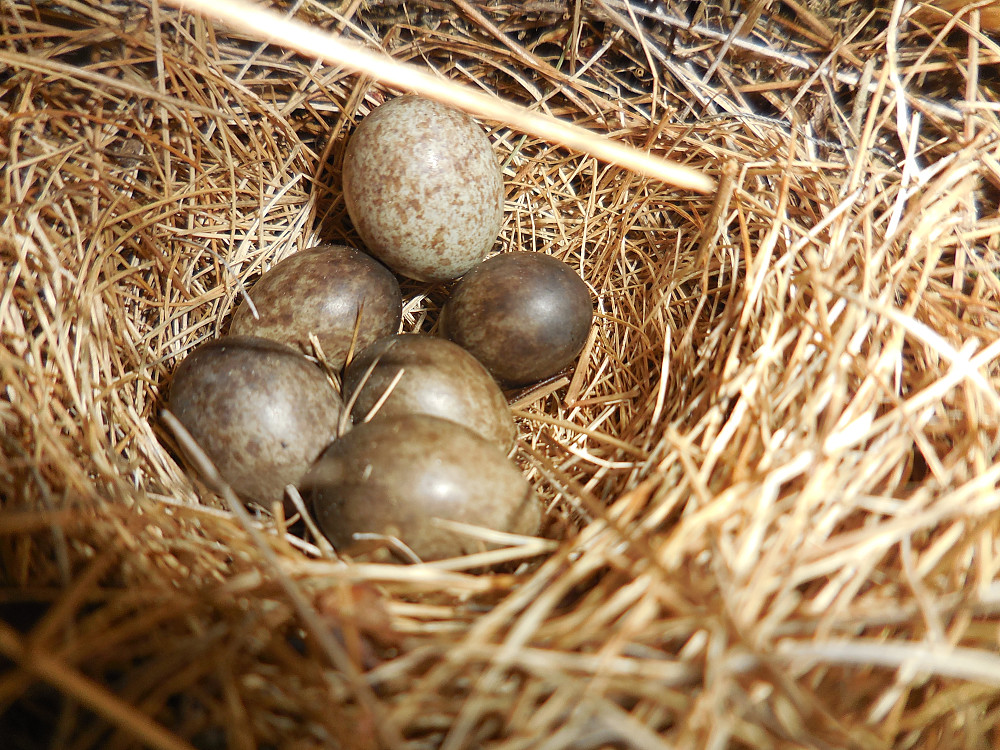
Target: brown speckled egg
395,476
435,376
327,291
423,188
525,316
260,410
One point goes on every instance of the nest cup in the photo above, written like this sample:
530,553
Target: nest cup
770,482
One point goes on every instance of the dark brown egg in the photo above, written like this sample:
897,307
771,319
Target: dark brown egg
393,477
327,291
260,410
428,375
525,316
423,188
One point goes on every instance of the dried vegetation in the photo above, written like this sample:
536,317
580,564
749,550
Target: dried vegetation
772,486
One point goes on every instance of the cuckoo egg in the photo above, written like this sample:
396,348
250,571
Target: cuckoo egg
423,188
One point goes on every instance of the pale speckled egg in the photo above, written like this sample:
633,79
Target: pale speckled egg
260,410
423,188
328,291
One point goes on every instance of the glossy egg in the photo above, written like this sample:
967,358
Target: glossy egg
327,291
423,188
394,477
524,315
260,410
428,375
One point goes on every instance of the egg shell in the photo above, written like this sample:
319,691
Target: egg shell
326,290
438,378
260,410
395,476
423,188
524,315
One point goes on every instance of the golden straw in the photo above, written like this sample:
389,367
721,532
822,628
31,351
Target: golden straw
274,27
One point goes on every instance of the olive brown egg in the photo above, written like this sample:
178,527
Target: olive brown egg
397,477
524,315
328,291
418,373
260,410
423,188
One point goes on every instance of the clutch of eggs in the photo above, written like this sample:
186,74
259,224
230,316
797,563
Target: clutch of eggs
432,426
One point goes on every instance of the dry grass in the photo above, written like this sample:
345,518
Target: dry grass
772,482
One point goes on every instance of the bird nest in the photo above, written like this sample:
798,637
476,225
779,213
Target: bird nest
770,484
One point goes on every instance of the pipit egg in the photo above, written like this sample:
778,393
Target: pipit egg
400,477
423,188
260,410
524,315
418,373
337,293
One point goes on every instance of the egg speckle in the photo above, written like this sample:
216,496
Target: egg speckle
423,188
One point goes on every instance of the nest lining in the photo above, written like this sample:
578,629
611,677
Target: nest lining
771,482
